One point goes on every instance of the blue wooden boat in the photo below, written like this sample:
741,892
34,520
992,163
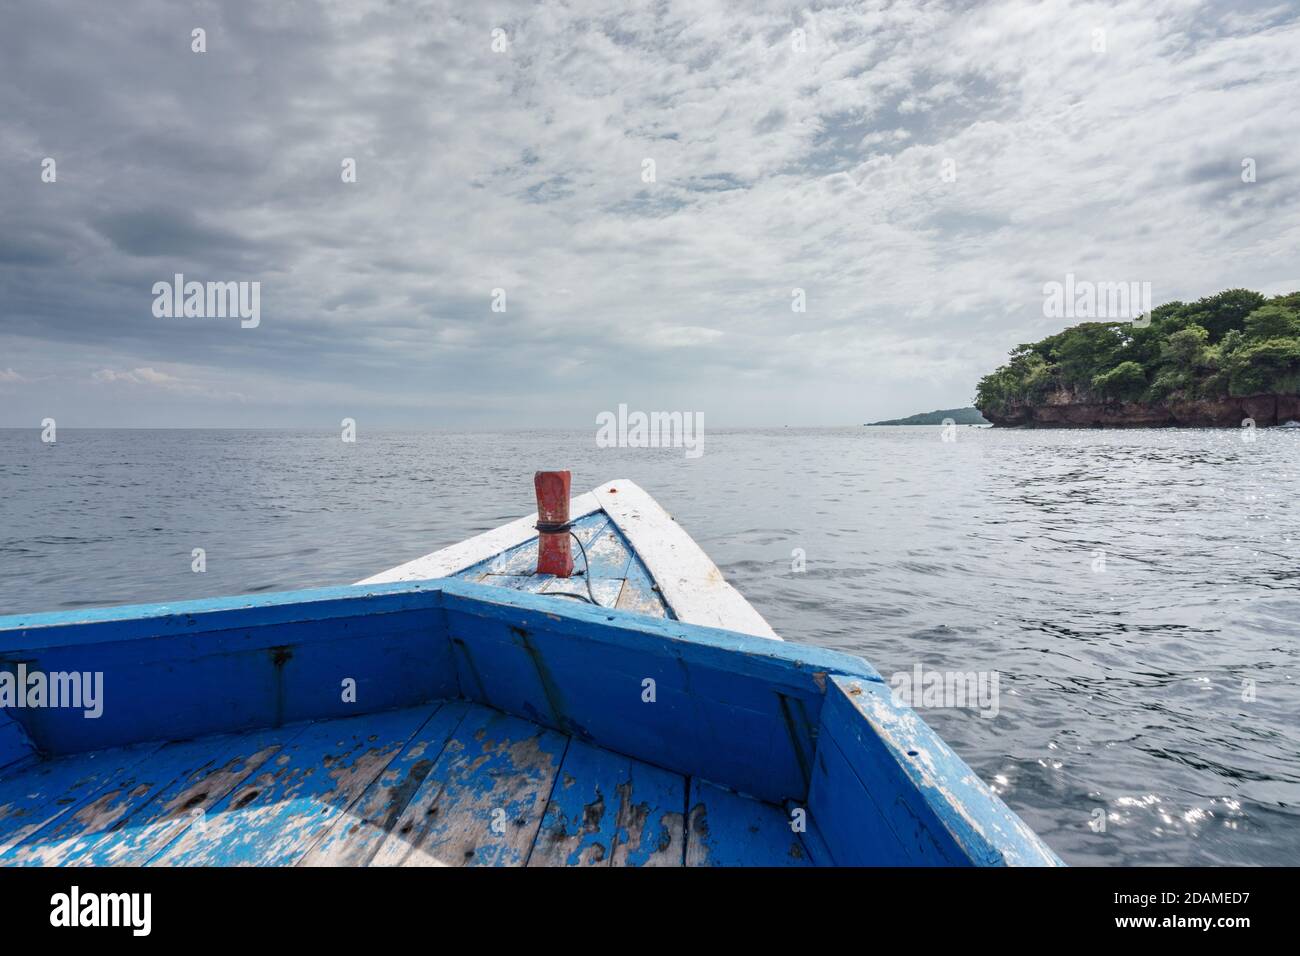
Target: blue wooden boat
461,709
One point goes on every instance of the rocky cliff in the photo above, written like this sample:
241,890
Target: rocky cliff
1062,411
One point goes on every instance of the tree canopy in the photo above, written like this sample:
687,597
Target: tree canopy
1235,343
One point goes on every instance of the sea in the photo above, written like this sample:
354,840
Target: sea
1136,593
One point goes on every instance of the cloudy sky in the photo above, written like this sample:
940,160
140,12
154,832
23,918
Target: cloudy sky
777,165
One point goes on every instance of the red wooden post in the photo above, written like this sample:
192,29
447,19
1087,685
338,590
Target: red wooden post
554,555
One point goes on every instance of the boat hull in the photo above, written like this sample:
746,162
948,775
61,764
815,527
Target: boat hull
449,722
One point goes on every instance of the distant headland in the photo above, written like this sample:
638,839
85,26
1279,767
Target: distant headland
959,416
1214,362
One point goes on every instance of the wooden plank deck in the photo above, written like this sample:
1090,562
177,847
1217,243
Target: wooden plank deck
443,784
611,810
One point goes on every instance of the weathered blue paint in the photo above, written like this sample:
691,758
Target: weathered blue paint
483,800
279,812
650,828
33,797
706,764
358,834
175,806
607,809
579,828
78,832
15,745
725,829
618,576
937,809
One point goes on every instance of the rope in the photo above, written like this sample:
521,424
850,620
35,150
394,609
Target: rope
586,571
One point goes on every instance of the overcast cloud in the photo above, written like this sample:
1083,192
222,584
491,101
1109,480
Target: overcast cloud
523,170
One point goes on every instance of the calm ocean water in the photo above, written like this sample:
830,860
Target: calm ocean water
1121,689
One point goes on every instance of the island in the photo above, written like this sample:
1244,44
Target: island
959,416
1225,360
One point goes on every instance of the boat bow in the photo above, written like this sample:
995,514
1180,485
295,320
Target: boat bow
664,566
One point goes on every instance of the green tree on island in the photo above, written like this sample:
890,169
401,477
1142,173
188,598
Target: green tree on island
1236,343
